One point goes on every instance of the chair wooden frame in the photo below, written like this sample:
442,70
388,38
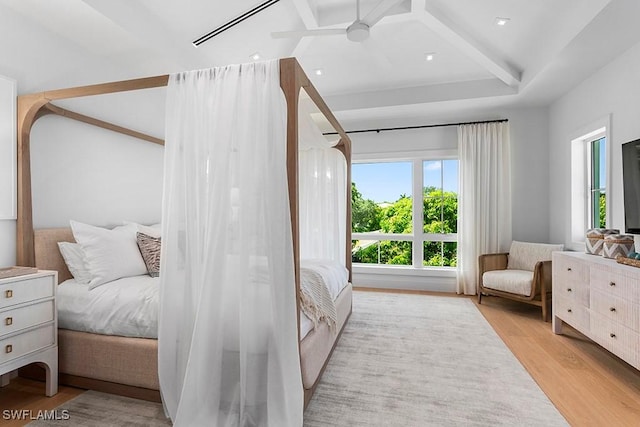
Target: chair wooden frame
541,284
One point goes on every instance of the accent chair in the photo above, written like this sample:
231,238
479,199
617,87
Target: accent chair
522,274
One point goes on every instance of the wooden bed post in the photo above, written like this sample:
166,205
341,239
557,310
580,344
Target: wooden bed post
28,112
290,84
344,145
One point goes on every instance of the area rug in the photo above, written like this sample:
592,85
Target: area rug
403,360
94,409
416,360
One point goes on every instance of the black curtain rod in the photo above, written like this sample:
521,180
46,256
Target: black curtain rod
234,22
418,127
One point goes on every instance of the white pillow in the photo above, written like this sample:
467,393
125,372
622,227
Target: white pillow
74,258
153,230
109,254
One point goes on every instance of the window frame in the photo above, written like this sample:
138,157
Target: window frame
579,216
591,178
416,158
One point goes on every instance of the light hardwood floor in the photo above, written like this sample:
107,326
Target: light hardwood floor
587,384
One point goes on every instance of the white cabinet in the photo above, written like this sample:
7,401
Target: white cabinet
29,325
601,299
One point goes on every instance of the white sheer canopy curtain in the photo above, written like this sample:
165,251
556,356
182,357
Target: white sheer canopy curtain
227,339
323,194
484,205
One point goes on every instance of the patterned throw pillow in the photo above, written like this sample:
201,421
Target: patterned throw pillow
150,250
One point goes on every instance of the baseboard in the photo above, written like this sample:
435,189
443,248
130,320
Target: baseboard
405,282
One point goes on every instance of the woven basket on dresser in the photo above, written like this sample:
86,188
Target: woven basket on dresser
594,243
617,244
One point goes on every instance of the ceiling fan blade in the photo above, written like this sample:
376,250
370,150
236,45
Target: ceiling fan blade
379,11
307,33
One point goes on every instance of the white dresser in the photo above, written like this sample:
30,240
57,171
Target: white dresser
601,299
29,326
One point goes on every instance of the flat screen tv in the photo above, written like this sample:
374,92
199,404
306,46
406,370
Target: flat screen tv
631,177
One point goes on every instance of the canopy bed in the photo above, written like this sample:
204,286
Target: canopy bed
129,365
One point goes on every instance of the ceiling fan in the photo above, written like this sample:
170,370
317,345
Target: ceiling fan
358,31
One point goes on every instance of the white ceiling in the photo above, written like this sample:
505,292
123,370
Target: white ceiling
547,47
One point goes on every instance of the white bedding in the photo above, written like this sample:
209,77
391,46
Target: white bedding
129,306
126,307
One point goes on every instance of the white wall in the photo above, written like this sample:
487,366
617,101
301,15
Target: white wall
529,175
614,90
96,176
7,171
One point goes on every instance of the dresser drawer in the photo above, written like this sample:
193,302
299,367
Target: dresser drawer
19,345
577,292
615,337
19,291
21,318
616,309
569,269
618,285
570,279
572,312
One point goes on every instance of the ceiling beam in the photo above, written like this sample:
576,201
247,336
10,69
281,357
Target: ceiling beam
418,6
310,22
144,25
455,35
420,95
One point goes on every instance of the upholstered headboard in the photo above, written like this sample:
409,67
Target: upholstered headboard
48,255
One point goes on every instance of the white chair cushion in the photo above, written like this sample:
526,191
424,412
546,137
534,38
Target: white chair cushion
524,256
512,281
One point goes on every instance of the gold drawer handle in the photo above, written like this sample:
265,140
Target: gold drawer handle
8,293
612,309
612,283
8,349
8,321
569,310
612,335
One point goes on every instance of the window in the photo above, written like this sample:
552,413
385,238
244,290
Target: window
440,211
589,177
597,183
386,213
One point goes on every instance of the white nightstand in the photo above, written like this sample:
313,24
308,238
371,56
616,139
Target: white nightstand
29,325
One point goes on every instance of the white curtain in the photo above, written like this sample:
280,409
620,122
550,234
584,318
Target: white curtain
484,204
227,338
323,194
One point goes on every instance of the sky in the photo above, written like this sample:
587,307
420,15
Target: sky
385,182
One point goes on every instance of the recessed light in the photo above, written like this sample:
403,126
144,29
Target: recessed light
429,56
319,72
255,56
502,21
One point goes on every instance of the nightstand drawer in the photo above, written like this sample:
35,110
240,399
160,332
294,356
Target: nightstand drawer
19,345
24,290
21,318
